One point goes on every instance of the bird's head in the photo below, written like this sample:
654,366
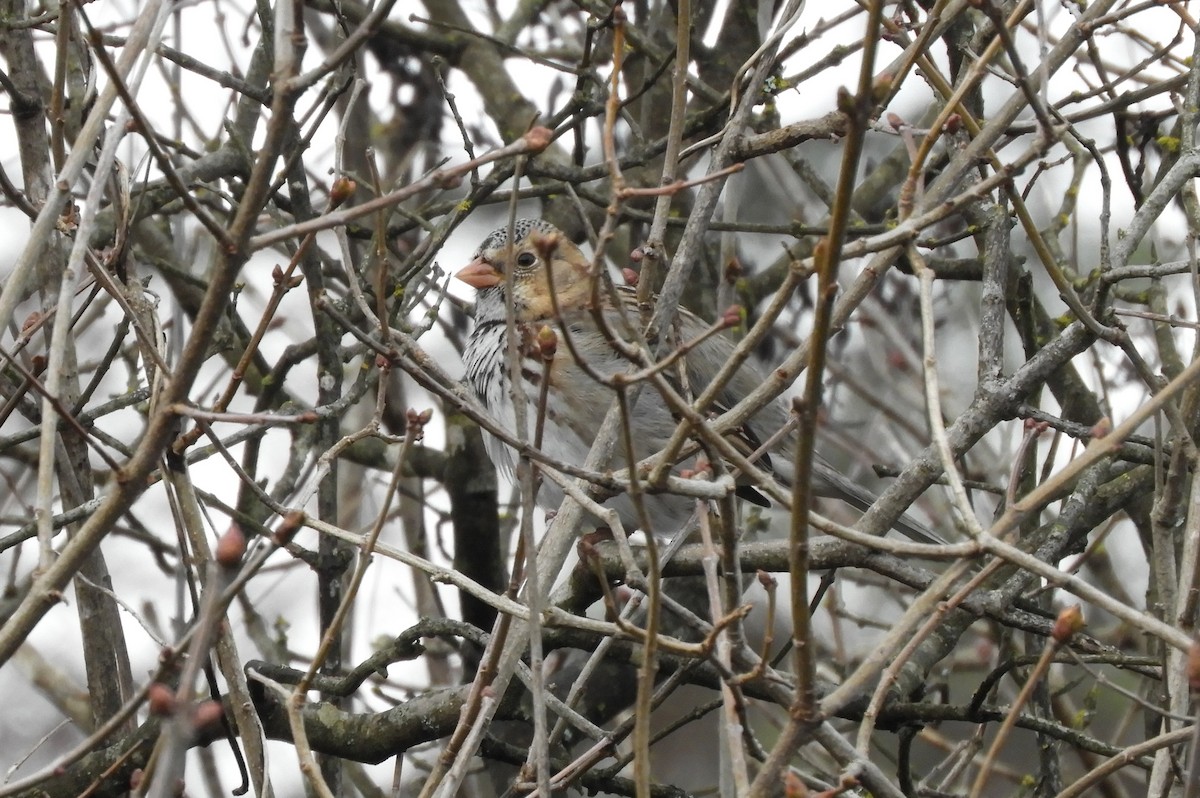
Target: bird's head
539,261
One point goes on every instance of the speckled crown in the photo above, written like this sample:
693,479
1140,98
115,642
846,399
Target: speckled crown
498,238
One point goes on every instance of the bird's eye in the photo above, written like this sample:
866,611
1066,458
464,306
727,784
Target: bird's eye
526,259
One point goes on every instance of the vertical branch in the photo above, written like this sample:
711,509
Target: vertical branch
670,170
333,556
827,256
735,778
225,649
858,110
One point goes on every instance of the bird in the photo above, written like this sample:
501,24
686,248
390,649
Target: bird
552,286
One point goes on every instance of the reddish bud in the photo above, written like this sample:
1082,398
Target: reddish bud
31,321
207,714
136,778
416,421
342,189
1068,623
766,580
1102,427
231,546
895,120
539,138
288,527
630,276
161,699
415,418
733,316
733,271
953,124
637,256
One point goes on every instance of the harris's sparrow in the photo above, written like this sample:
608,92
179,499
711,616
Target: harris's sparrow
551,285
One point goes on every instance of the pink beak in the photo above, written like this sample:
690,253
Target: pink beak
480,274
